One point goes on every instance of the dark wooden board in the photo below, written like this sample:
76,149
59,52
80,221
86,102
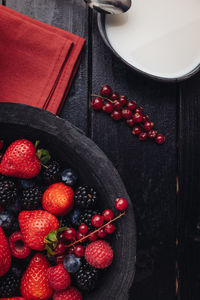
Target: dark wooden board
148,170
189,179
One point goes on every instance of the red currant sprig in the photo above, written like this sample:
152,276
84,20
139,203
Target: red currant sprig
97,221
120,108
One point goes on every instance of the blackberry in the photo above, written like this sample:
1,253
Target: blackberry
65,222
52,173
86,217
85,197
87,277
9,285
31,198
8,193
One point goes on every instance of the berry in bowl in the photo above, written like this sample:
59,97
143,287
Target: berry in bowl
66,221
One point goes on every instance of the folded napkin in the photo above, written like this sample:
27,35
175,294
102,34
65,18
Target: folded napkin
37,61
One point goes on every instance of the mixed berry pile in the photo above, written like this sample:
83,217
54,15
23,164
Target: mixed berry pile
120,108
54,237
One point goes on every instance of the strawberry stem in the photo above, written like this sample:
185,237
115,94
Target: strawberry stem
95,231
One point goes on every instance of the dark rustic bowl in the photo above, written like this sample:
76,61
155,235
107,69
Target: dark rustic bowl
73,148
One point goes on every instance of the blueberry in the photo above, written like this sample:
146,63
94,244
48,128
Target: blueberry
69,177
27,183
72,263
75,217
7,219
16,207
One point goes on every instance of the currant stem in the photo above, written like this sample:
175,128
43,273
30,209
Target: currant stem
97,230
94,95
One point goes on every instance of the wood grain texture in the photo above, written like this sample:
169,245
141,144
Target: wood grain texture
189,174
70,15
148,170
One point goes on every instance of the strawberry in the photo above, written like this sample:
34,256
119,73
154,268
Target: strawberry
59,278
99,254
35,225
13,298
5,256
34,283
20,160
58,199
70,294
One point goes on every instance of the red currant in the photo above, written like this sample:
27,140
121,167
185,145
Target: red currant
123,100
121,204
70,234
97,103
145,118
117,105
60,248
108,214
79,250
110,228
143,136
160,139
152,134
59,259
126,113
116,115
136,130
97,220
114,96
131,105
130,122
92,237
71,250
106,91
61,236
137,117
1,144
107,107
79,235
83,228
139,109
101,233
148,125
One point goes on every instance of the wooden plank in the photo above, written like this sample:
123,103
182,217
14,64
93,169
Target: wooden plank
189,174
148,170
61,14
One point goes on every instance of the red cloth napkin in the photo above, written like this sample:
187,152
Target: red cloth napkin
37,61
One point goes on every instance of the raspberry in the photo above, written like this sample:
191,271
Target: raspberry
18,247
99,254
58,277
71,294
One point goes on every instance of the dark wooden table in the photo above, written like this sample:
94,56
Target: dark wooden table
163,181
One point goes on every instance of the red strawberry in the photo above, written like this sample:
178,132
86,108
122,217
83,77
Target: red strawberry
20,160
58,199
99,254
70,294
13,298
35,226
5,256
18,250
59,278
34,283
